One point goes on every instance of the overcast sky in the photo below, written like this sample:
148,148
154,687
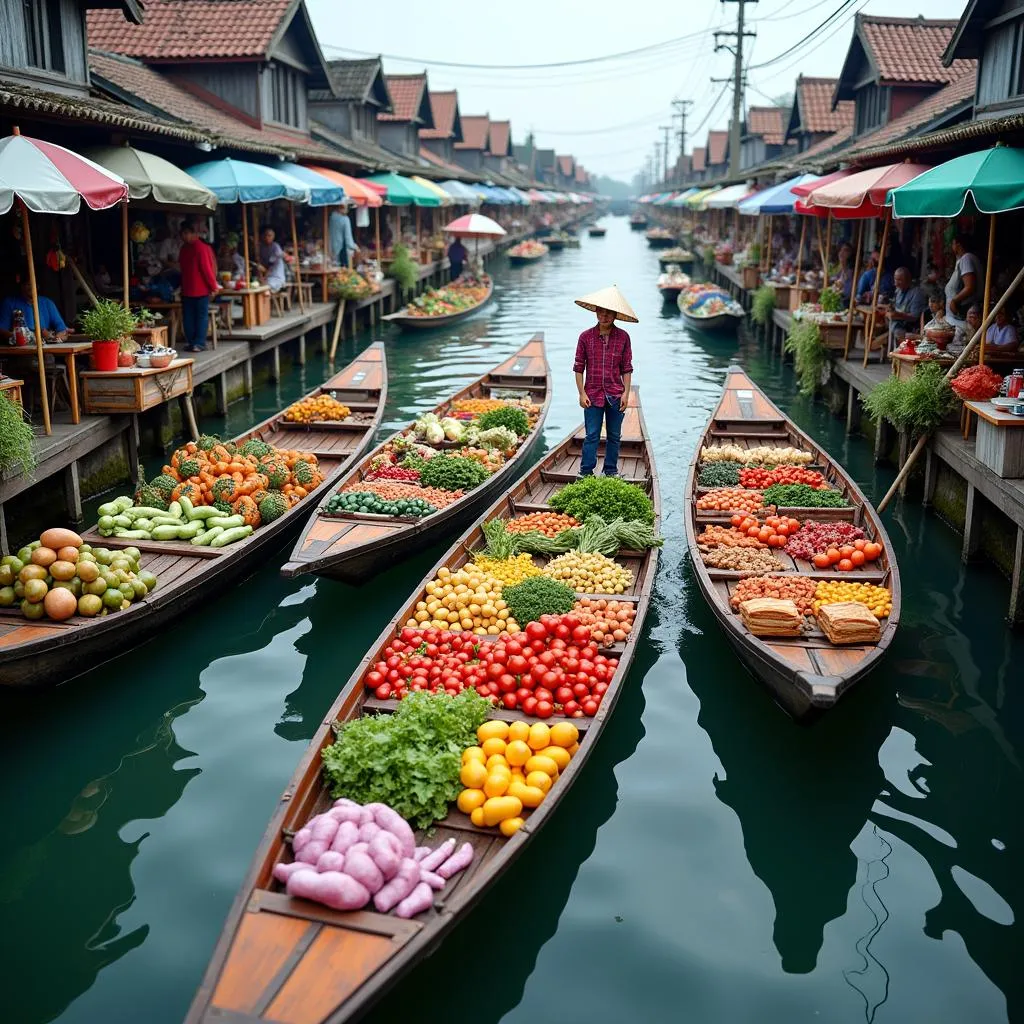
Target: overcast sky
607,113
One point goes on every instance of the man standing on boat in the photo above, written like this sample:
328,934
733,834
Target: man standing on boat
604,372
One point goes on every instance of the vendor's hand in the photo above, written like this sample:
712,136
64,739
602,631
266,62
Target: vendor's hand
624,401
584,400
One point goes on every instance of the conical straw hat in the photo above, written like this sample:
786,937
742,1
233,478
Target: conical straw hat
609,298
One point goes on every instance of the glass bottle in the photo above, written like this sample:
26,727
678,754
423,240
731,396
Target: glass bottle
1016,384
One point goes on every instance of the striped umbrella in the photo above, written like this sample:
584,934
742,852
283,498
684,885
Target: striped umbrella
475,225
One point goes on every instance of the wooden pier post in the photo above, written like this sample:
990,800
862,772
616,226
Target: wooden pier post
972,526
1016,612
188,416
277,363
931,468
73,492
852,409
222,394
247,369
902,459
302,350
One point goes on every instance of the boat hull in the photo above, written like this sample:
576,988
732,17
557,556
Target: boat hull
720,322
638,225
661,243
518,261
426,323
597,232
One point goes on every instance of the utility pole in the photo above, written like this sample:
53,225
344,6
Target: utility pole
737,81
657,160
666,129
682,107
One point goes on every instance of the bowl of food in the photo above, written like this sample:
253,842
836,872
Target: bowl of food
142,359
161,357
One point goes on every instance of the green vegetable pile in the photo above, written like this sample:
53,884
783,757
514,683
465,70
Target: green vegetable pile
452,474
918,404
595,534
607,496
507,416
537,596
409,760
719,474
802,496
15,438
367,501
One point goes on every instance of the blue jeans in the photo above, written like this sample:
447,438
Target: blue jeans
194,313
611,415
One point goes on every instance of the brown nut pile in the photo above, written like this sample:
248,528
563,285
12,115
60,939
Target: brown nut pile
757,560
798,589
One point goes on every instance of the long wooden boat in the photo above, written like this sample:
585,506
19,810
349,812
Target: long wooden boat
353,547
660,238
518,259
726,320
408,322
808,674
285,959
555,242
38,653
596,231
683,258
637,222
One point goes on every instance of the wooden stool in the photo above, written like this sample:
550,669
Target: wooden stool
303,292
280,301
212,316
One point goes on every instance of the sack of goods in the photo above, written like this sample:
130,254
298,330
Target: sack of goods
770,616
849,622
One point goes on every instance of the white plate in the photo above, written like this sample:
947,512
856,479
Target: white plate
1005,403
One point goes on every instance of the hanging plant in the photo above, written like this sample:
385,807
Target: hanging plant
810,357
918,404
405,272
15,438
831,300
763,305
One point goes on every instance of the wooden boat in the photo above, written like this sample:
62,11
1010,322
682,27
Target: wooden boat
672,282
806,675
519,258
660,238
596,231
637,222
725,320
683,258
555,242
286,959
408,322
351,548
37,653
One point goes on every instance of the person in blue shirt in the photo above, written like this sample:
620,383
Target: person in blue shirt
50,321
339,230
866,284
908,303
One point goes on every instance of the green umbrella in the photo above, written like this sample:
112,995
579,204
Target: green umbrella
993,179
404,191
152,177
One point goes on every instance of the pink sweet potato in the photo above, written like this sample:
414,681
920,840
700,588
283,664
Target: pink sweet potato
331,861
399,887
301,837
312,851
368,831
421,898
346,836
421,852
333,888
282,871
362,868
386,852
434,881
391,821
439,856
457,861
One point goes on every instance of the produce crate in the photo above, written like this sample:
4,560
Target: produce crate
751,278
12,388
135,389
797,296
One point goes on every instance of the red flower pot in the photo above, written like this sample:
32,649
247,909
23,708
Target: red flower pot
104,355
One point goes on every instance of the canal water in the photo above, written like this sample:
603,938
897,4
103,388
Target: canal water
715,863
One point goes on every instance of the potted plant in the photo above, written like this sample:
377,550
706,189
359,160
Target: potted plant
148,330
105,325
126,349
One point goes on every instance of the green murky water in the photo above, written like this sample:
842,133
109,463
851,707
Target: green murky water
715,863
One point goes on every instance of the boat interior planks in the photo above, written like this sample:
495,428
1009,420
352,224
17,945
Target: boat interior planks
280,958
37,653
353,546
807,674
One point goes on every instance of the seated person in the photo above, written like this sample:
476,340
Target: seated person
1001,336
866,284
51,323
145,286
907,306
271,268
967,330
230,260
936,305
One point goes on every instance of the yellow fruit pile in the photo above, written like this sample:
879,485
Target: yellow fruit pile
311,410
467,599
589,573
878,599
508,571
513,768
477,406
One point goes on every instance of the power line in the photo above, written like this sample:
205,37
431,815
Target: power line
797,14
814,31
520,67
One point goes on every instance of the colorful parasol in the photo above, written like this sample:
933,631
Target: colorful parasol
475,225
357,191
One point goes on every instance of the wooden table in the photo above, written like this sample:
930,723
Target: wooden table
134,389
69,350
174,320
833,332
323,273
255,303
903,366
13,386
1000,444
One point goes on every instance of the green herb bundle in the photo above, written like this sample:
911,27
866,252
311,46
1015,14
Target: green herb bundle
452,474
536,543
510,416
802,496
537,596
719,474
830,300
763,305
810,356
15,438
402,268
918,404
500,543
607,496
409,760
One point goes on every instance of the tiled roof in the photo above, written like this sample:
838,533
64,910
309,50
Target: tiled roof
475,130
920,117
716,147
406,96
699,158
133,80
545,158
190,29
814,97
363,152
352,79
910,49
443,105
93,110
567,166
581,175
501,137
833,141
768,123
452,170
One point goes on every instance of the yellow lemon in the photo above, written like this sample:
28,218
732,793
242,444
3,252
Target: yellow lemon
540,736
539,779
492,730
477,817
518,731
473,754
470,799
498,808
496,762
518,752
564,734
510,826
473,775
557,754
531,796
537,763
497,784
493,745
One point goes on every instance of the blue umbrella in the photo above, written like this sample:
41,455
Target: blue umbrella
239,181
322,191
465,193
777,199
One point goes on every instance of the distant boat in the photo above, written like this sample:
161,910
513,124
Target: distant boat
596,231
709,308
672,282
638,221
660,238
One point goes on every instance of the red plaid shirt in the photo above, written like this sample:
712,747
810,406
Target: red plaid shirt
604,360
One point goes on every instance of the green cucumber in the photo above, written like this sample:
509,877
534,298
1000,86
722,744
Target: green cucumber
175,510
132,534
207,536
123,522
186,531
143,512
143,524
166,521
186,506
228,522
106,522
110,508
165,532
206,512
230,536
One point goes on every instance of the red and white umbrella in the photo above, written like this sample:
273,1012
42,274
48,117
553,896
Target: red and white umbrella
475,225
51,179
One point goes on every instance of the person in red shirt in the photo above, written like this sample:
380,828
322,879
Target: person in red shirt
198,284
604,373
